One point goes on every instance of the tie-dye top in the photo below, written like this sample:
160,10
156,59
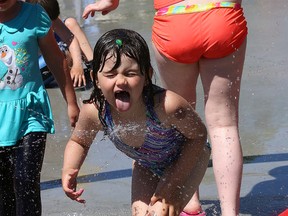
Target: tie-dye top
161,146
164,3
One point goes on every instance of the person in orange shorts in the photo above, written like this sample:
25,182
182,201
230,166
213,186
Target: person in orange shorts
206,39
200,39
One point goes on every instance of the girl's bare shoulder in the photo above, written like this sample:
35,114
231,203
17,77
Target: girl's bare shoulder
88,118
88,125
170,102
174,110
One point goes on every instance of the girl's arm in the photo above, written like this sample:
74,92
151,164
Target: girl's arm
76,72
104,6
74,156
77,149
181,180
59,68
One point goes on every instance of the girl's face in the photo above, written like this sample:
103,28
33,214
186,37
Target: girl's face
122,87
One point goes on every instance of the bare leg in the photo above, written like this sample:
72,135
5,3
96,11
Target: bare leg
184,85
85,46
178,77
221,80
144,184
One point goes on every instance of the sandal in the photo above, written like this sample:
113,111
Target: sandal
285,213
199,213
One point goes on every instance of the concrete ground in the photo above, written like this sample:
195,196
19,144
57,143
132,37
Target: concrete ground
107,191
106,174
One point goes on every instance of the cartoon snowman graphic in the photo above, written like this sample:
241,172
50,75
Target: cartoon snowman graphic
12,78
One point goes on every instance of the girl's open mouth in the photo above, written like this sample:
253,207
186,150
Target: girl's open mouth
122,100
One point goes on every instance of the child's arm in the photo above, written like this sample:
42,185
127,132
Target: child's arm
76,72
86,49
181,180
58,66
74,156
104,6
77,149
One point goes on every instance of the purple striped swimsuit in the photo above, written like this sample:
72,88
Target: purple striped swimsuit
161,146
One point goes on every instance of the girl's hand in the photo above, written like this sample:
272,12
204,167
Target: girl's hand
104,6
161,208
69,185
77,76
73,114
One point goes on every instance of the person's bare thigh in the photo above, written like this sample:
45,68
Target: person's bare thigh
144,184
178,77
221,79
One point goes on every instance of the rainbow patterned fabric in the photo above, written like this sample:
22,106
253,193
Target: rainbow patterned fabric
183,9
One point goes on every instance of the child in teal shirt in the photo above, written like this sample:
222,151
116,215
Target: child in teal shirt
26,115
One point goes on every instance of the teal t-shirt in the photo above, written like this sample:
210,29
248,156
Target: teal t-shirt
24,102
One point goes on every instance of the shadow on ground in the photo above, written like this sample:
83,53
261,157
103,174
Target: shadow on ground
266,198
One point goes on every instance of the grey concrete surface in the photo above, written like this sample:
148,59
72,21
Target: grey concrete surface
106,174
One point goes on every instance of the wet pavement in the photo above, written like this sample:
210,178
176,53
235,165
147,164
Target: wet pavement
106,173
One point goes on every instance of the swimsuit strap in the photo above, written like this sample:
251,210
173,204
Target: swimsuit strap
184,9
108,117
150,112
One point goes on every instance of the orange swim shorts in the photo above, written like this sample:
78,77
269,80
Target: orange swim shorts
214,33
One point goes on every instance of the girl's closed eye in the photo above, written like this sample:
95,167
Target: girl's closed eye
132,73
109,74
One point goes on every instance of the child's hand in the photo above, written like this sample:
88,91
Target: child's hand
77,76
104,6
160,207
157,210
73,114
69,184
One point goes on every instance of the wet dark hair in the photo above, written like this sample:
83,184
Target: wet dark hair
116,43
51,7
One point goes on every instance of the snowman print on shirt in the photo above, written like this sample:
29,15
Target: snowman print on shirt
12,78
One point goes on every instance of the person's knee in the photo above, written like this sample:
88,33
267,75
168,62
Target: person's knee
218,121
221,113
